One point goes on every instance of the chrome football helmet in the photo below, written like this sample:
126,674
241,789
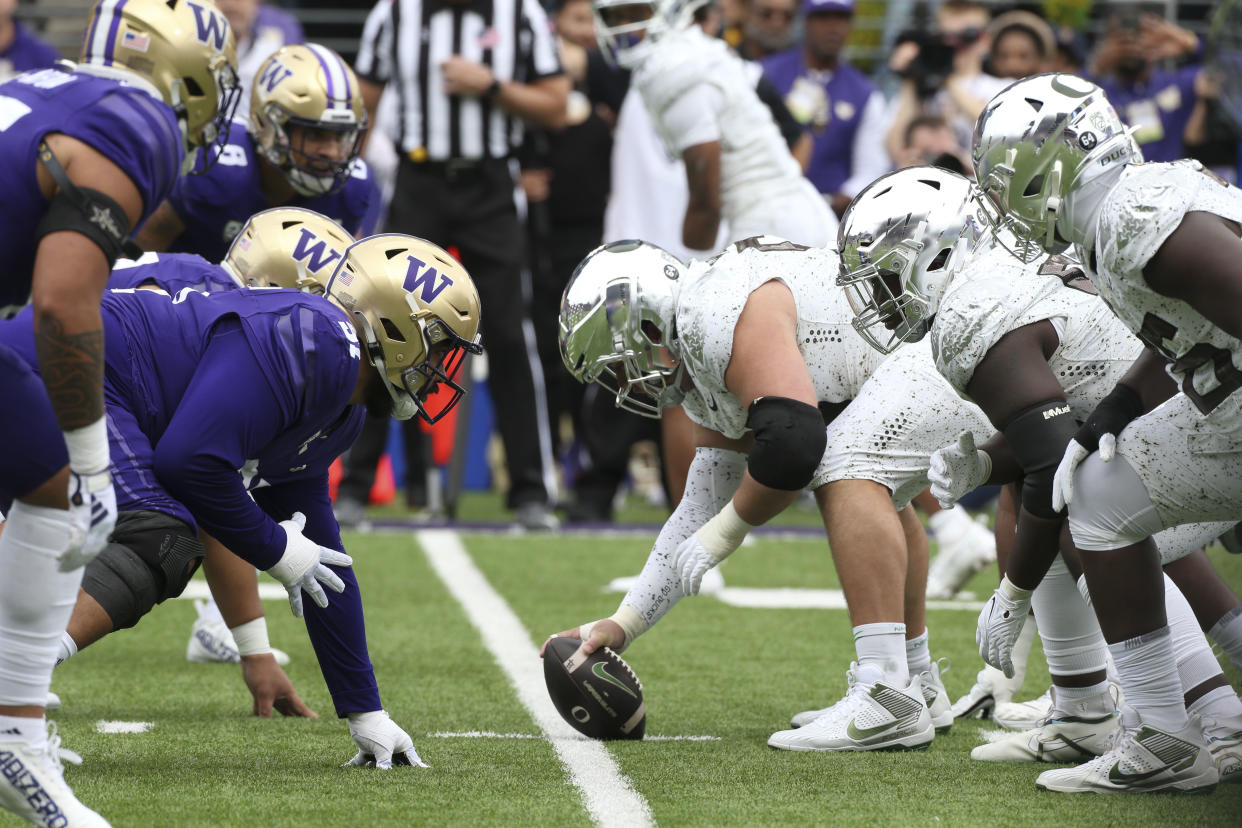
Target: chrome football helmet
627,30
618,309
311,89
185,49
417,313
900,242
287,247
1036,142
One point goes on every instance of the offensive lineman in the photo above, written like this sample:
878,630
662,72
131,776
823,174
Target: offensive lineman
1161,244
87,152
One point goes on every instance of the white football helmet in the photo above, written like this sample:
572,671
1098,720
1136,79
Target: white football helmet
1036,142
627,30
287,247
184,48
900,242
618,309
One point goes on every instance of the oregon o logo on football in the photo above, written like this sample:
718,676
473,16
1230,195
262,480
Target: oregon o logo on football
580,713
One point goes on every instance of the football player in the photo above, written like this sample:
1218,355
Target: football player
757,347
1032,343
225,410
1161,244
705,107
299,147
86,153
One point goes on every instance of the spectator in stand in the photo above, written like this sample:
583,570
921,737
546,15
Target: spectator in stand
943,74
20,50
929,140
838,103
1022,45
1155,102
1070,55
767,28
260,29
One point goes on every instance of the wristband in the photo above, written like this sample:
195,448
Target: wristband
251,637
88,448
724,533
630,621
985,464
1014,593
493,90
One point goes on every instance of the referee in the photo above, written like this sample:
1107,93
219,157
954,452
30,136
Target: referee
468,74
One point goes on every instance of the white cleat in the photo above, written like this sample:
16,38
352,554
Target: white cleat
965,548
1074,732
53,701
1023,715
990,689
872,716
936,697
211,642
1142,759
1225,742
32,785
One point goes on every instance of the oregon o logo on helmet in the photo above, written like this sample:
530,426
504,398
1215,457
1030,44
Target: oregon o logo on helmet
1059,85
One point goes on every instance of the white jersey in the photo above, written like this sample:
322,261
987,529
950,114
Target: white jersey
995,293
1138,215
755,163
711,301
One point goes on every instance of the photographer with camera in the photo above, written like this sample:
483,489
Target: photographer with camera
942,73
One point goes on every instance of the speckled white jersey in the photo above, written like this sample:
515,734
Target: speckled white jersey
996,293
711,301
1136,218
762,189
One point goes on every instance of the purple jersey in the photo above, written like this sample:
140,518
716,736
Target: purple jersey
213,207
274,17
134,130
26,52
172,272
1156,109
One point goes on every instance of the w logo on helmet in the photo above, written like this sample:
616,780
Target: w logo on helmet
426,282
271,76
314,252
211,26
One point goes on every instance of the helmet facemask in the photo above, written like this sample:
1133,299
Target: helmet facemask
309,173
215,134
885,314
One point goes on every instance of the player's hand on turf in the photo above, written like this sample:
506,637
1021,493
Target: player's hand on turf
956,469
271,688
305,565
92,506
381,742
602,633
999,624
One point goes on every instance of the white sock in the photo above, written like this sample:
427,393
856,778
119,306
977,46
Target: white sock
918,654
1149,678
1221,703
884,646
68,649
1073,643
1073,694
1227,632
1195,661
1021,652
36,600
21,729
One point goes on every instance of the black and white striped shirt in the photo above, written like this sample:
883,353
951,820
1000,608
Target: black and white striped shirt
406,41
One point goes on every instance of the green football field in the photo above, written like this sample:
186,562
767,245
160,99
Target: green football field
454,621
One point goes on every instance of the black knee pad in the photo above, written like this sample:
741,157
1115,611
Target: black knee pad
150,557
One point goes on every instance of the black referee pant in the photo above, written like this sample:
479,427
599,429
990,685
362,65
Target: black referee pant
469,205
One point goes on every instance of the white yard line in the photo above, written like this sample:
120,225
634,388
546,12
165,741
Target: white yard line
790,597
491,734
105,726
609,797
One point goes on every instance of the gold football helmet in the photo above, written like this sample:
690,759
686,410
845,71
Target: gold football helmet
312,89
287,247
185,48
417,313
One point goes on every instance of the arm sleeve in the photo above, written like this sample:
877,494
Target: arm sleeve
790,129
228,414
692,118
870,160
337,631
542,60
375,51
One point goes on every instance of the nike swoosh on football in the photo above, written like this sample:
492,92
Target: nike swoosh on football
601,670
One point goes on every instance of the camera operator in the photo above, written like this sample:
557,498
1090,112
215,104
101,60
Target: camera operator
942,74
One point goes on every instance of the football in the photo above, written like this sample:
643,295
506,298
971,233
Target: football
598,694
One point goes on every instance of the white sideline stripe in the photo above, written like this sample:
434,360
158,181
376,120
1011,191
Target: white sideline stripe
105,726
790,598
268,592
607,794
491,734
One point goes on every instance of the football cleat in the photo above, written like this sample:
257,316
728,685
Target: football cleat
990,688
53,701
964,549
936,697
1023,715
1073,732
211,642
32,784
872,716
1142,759
1225,743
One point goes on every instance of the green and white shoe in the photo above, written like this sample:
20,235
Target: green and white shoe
1074,732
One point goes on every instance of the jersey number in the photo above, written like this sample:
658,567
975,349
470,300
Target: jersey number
1153,334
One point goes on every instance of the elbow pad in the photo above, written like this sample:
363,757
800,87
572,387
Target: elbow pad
789,442
1037,437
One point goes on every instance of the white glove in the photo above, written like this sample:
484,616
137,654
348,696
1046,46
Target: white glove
92,506
957,469
1000,621
302,566
692,560
381,742
716,540
1075,453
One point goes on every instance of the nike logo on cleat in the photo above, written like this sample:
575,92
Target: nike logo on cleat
859,734
1119,777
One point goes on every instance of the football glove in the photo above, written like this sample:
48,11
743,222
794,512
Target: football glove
381,742
1099,432
92,506
956,469
716,540
304,566
999,624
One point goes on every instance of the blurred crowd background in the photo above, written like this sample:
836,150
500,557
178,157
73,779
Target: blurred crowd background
858,88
